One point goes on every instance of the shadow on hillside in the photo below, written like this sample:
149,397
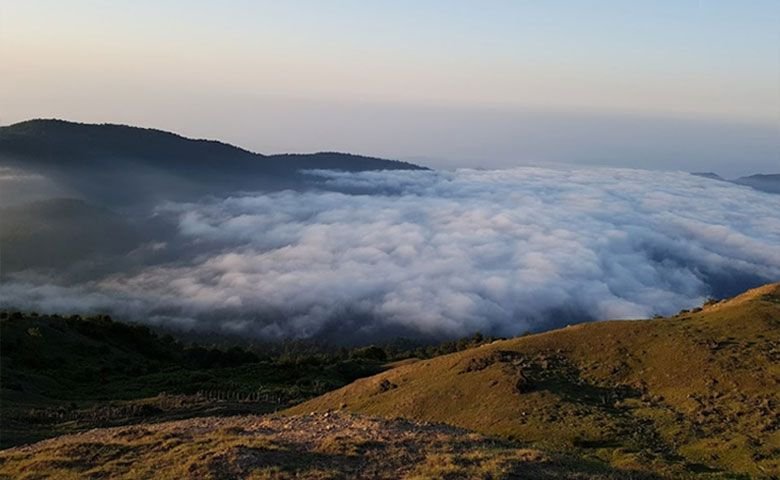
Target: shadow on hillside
575,470
290,458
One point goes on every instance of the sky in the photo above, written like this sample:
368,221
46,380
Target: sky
673,85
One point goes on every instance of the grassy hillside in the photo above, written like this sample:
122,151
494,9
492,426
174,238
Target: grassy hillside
694,394
313,447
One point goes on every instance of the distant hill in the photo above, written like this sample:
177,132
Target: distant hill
710,175
121,163
766,183
698,392
769,183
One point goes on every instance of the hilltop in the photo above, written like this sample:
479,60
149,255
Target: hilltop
59,142
697,392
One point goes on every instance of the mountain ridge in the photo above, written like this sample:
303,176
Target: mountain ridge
764,182
45,128
120,165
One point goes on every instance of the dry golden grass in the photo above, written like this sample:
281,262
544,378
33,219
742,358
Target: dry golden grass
695,393
324,446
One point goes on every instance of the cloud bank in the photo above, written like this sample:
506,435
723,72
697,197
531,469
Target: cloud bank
442,254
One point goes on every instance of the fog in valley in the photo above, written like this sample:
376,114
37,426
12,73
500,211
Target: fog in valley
353,256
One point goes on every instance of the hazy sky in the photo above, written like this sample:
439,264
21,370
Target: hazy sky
673,84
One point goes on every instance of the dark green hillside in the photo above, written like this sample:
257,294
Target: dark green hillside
59,142
63,374
57,233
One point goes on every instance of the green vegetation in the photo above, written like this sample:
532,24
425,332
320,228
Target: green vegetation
64,374
692,395
67,374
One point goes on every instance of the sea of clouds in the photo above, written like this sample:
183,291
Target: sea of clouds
427,253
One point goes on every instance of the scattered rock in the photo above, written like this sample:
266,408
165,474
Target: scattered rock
386,385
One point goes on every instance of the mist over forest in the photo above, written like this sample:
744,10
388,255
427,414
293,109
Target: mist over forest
200,235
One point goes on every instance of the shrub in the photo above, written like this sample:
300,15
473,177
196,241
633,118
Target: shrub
371,352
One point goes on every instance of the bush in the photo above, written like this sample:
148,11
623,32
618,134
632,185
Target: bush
371,352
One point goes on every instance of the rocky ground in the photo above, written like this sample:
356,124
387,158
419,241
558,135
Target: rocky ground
318,446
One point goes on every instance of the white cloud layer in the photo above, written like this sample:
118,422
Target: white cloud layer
448,253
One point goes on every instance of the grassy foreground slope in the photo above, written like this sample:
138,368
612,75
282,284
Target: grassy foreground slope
323,446
695,393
